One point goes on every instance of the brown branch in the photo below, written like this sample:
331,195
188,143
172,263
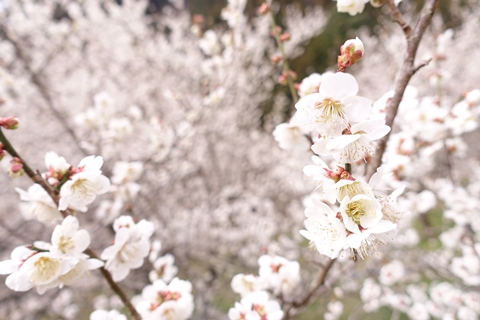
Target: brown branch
37,178
406,72
317,284
398,18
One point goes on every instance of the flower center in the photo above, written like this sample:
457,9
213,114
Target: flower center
66,244
332,110
83,186
355,210
45,269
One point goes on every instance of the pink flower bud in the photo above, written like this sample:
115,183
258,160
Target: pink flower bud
351,52
283,79
10,123
276,59
16,168
285,36
263,9
276,30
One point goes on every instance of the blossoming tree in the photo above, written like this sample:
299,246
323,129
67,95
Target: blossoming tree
179,176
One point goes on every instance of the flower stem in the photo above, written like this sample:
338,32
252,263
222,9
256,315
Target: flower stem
285,64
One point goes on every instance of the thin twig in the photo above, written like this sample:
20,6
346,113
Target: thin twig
317,284
286,66
406,72
398,18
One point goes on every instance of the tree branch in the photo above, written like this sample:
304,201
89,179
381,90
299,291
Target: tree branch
318,283
406,72
397,16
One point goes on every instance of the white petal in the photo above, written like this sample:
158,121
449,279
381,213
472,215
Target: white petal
356,109
320,147
341,142
378,133
339,86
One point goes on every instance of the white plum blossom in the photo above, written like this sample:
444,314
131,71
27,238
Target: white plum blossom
355,143
473,97
38,270
311,84
256,306
335,310
360,211
160,301
209,44
392,273
84,186
39,205
245,284
68,240
352,7
18,256
325,231
336,104
291,135
130,247
281,275
57,166
51,265
107,315
163,268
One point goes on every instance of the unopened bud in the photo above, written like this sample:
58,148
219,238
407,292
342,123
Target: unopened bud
296,86
197,19
276,30
283,79
285,36
16,168
276,59
2,152
351,52
263,9
10,123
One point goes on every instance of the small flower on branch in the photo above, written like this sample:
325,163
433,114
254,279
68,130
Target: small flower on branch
350,53
16,168
285,36
10,123
283,79
263,9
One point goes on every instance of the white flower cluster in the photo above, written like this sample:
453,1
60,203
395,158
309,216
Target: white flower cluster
78,188
346,129
420,301
276,274
131,246
46,265
428,129
341,120
363,218
162,301
124,189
